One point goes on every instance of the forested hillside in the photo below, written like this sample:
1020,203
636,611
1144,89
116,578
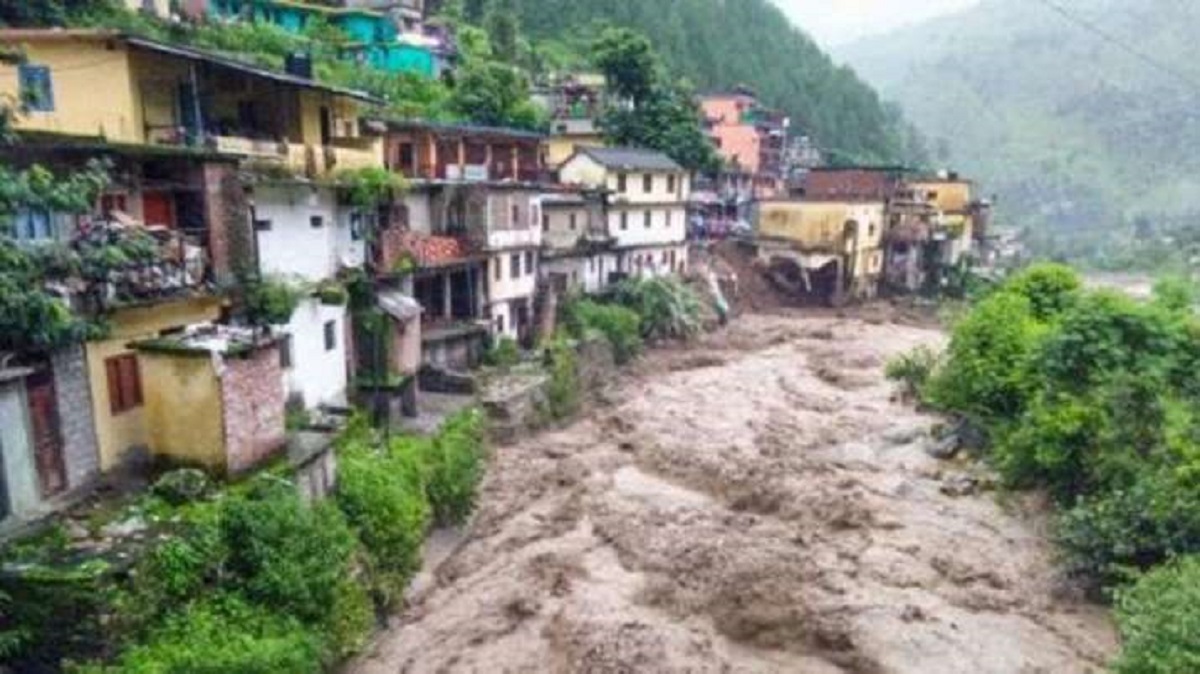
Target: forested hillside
1067,127
721,43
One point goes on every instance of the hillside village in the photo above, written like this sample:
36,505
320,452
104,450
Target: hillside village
264,252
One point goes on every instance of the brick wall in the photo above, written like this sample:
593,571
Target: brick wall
81,451
253,399
227,215
851,184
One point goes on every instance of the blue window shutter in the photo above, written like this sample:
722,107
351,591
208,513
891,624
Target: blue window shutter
37,91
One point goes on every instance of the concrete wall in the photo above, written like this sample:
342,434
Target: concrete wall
16,452
183,411
565,224
77,425
654,261
584,272
502,284
292,246
405,352
253,405
668,224
117,434
317,376
92,86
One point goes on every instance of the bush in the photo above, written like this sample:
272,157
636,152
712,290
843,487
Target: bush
985,377
290,557
666,308
562,392
224,634
271,301
454,462
504,354
619,325
1050,288
913,370
1159,618
382,493
1176,294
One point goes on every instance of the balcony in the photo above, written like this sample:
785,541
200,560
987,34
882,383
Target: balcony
317,160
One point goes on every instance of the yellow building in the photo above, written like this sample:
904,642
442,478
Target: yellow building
567,137
138,91
953,200
118,380
835,246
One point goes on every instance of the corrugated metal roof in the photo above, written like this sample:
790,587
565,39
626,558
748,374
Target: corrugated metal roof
398,305
631,158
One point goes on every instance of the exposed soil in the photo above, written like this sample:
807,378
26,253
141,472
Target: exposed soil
753,503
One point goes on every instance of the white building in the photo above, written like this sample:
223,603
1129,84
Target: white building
303,236
646,211
577,251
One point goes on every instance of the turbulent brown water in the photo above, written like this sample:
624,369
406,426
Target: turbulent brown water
756,503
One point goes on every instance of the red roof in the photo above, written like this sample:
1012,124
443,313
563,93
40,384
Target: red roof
433,251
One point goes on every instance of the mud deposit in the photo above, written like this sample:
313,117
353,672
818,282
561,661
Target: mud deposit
756,503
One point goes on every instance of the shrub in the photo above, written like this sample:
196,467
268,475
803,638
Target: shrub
619,325
288,556
985,377
224,634
913,369
666,308
504,354
454,462
1176,294
1050,288
562,391
382,494
1159,618
271,301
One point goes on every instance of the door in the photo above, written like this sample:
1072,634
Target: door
326,126
47,441
158,210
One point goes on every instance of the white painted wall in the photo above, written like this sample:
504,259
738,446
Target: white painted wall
668,225
16,449
560,234
420,217
292,246
505,286
587,273
317,375
655,261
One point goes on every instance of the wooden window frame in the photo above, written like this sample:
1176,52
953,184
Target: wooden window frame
124,378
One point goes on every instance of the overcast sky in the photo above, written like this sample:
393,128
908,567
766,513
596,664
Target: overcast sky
836,22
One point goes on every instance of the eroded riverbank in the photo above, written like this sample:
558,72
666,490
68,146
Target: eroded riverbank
754,503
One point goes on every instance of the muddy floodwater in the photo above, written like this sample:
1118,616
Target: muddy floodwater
754,503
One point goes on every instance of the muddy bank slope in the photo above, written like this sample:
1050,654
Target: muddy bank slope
753,504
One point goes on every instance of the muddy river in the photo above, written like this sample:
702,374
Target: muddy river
755,503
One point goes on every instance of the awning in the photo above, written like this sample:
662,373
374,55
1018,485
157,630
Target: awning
398,305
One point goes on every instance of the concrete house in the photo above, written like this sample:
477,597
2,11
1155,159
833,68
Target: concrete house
574,105
471,229
577,250
645,208
750,138
832,250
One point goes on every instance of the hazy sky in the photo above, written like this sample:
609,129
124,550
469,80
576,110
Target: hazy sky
835,22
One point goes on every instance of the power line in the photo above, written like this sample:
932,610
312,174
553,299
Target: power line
1142,56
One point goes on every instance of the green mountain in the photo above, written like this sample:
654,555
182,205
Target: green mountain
1066,126
718,44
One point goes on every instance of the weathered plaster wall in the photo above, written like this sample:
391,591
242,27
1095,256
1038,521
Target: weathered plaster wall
253,403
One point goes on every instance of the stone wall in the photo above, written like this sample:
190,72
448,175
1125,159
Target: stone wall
227,215
253,400
81,451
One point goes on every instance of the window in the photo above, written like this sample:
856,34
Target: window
621,183
500,324
330,335
624,221
36,90
405,156
285,352
871,229
648,183
316,221
529,262
34,224
515,265
356,226
498,268
669,214
572,222
516,216
124,383
545,222
671,183
673,260
262,225
646,219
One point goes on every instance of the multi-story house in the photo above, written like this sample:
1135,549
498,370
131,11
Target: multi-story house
182,126
833,250
863,183
378,39
646,196
471,231
750,138
577,249
935,223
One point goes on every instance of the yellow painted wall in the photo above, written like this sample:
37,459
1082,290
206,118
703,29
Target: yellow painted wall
92,85
560,148
821,226
952,196
118,434
183,413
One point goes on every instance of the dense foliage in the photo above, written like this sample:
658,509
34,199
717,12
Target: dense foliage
271,301
666,307
1093,397
620,326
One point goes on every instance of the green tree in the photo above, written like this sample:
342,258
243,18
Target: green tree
628,62
494,94
1159,619
504,31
